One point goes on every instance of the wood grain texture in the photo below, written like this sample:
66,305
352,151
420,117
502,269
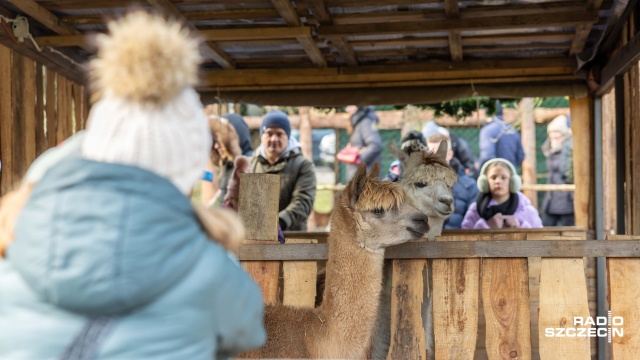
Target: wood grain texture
583,162
624,292
505,297
456,285
62,108
258,209
299,287
479,249
258,205
51,108
18,135
41,139
407,332
563,296
28,83
6,114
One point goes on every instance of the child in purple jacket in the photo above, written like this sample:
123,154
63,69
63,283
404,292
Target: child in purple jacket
500,204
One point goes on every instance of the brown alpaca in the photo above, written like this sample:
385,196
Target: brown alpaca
371,216
428,180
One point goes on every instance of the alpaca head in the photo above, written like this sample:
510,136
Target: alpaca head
428,180
226,144
380,212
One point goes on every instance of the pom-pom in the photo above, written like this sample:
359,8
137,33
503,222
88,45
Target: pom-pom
145,58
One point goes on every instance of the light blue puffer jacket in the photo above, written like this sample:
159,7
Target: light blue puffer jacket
100,239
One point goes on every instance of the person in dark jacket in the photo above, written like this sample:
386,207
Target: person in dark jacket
557,206
498,139
461,150
464,191
242,129
280,154
365,135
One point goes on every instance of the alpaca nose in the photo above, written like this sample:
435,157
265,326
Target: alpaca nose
447,200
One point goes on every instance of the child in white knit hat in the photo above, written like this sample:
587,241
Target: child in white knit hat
109,258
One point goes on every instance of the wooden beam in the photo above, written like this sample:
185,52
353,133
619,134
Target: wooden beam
255,33
210,50
346,50
434,71
287,12
386,84
319,10
309,45
457,250
583,168
352,3
239,14
452,11
498,22
621,62
46,18
583,30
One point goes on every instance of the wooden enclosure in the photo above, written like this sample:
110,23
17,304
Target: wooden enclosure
341,52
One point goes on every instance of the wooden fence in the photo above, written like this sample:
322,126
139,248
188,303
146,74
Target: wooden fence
497,294
39,108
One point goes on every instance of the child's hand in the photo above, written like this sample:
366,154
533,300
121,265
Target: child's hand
496,222
511,222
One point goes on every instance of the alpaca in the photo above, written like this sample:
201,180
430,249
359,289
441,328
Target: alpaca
428,180
371,215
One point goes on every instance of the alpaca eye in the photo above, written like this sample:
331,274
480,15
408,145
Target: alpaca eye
378,212
420,184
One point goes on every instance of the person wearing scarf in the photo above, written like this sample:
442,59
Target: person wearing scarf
500,204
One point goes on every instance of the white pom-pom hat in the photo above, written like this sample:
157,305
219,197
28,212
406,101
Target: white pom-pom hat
148,114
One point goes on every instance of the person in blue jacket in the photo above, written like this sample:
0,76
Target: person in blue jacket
498,139
109,260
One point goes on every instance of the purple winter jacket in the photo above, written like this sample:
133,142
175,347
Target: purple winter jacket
526,214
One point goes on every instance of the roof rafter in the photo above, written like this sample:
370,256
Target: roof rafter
210,49
452,11
583,30
321,13
47,18
488,23
290,15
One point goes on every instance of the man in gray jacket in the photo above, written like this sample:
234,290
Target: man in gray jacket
280,154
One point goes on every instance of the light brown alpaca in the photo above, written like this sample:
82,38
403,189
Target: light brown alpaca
371,216
428,180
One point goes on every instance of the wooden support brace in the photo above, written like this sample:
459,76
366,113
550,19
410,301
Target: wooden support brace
563,296
505,297
258,209
299,287
407,332
456,284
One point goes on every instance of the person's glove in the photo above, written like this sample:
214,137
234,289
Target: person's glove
280,235
496,222
511,222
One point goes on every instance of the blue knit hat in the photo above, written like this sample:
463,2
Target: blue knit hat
276,118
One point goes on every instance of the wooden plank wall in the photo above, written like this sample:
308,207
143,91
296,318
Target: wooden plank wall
38,109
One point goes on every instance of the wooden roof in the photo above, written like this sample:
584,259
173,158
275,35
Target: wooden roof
292,47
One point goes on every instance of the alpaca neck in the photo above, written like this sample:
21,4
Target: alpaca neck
352,288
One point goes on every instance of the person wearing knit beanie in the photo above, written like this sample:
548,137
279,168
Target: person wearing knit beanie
108,222
278,119
148,113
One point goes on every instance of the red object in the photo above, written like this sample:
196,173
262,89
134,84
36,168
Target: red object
349,155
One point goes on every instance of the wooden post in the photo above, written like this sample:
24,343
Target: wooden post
633,150
28,84
505,297
41,140
528,133
407,332
18,137
563,296
6,119
306,139
609,165
299,288
624,291
455,304
63,109
258,209
583,163
50,109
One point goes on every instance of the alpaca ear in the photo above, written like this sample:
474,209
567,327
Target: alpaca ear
357,183
442,149
401,155
375,171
